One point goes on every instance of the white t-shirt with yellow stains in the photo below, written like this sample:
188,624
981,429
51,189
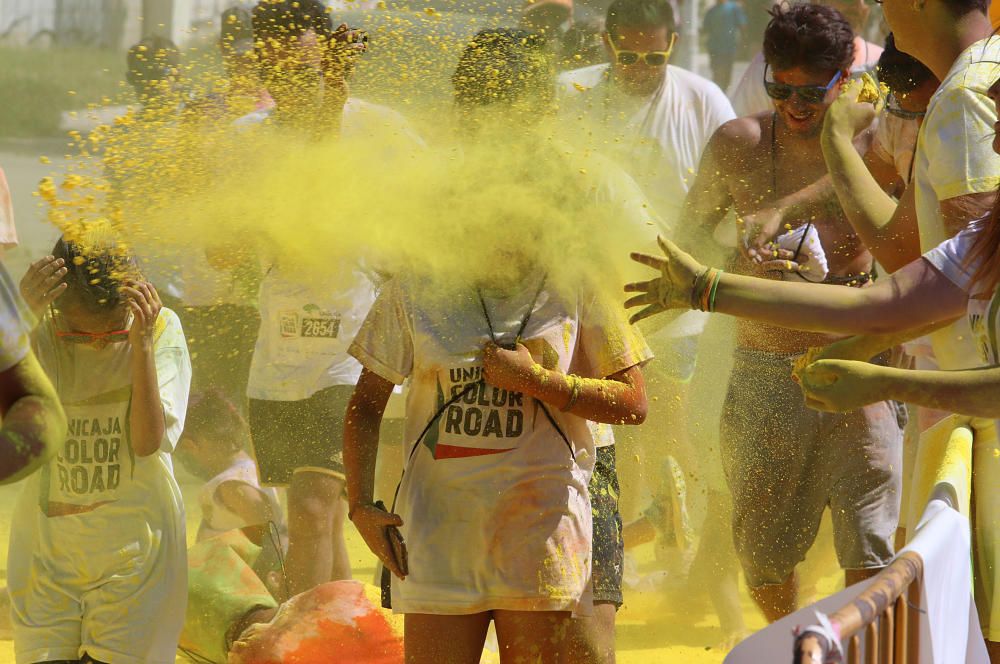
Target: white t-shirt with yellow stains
494,498
955,158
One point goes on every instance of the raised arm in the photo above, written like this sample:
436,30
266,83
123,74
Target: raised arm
617,399
918,295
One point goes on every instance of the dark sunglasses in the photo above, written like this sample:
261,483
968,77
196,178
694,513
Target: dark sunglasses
892,107
811,94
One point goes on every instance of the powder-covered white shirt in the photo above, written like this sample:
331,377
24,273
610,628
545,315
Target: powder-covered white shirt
955,158
494,498
896,143
657,139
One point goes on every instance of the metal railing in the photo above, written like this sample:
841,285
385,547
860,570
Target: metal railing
879,626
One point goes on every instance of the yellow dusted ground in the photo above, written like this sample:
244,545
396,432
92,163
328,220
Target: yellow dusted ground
647,623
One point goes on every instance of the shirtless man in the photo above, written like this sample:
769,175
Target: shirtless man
785,463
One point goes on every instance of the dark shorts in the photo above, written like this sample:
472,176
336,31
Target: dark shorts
608,547
300,436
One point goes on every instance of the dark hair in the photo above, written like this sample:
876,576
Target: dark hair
94,276
235,25
152,59
900,71
503,66
284,19
640,14
212,417
959,8
814,37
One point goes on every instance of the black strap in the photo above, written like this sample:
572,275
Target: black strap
774,180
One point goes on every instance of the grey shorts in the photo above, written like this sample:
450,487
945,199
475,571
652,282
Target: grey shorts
785,463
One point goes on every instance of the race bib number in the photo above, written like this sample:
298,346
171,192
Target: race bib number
309,327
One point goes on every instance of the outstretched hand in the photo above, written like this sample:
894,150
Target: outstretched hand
837,386
671,290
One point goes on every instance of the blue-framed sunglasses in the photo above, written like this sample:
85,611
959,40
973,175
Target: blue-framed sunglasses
811,94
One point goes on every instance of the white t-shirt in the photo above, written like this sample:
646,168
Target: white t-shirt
750,98
13,334
954,158
494,499
657,139
896,143
305,326
95,387
305,330
216,518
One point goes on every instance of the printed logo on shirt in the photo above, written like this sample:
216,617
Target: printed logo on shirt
90,461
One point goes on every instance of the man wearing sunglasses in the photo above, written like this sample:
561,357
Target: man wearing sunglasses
655,119
749,97
784,462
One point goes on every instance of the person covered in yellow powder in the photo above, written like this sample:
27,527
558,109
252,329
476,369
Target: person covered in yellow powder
301,375
493,520
784,463
959,276
97,566
32,422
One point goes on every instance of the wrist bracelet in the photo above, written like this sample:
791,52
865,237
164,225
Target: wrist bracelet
574,392
696,287
715,289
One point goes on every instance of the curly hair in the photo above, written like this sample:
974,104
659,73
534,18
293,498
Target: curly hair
813,37
94,274
503,66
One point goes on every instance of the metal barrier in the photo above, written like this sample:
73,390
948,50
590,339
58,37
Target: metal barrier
882,624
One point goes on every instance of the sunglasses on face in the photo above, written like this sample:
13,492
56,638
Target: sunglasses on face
811,94
892,107
651,58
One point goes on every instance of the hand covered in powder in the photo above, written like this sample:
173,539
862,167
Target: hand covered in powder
851,113
837,386
758,229
672,289
509,369
43,283
145,304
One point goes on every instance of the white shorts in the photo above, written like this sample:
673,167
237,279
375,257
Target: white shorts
109,584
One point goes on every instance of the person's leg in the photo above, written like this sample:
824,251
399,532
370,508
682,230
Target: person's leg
313,498
865,446
715,567
434,639
768,437
777,600
532,636
591,640
340,567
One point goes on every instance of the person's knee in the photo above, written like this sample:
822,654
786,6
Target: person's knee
313,500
